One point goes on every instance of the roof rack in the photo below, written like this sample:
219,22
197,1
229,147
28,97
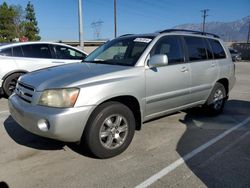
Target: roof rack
188,31
125,35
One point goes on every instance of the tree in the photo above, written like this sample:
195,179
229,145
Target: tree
6,23
31,29
13,23
18,18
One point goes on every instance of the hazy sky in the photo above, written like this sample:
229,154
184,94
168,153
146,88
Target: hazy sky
58,19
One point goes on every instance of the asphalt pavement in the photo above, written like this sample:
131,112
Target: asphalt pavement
186,149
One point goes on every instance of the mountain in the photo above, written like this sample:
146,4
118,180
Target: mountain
228,31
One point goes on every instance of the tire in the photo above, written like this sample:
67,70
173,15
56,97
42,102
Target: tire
216,100
109,130
9,83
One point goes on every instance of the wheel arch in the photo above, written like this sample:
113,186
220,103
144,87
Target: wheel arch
131,102
225,83
14,72
5,81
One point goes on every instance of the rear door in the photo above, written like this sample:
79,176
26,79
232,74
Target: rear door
33,56
203,68
167,87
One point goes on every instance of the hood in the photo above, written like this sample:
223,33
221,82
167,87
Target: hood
71,75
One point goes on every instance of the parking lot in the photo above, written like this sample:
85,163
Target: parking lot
186,149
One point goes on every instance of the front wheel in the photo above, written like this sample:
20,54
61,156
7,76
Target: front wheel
9,83
216,100
110,130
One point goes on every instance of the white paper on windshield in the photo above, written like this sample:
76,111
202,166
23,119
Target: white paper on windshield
145,40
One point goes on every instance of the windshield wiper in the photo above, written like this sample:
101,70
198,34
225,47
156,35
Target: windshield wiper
99,61
107,62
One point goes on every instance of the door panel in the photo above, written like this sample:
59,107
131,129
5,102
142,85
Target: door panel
31,64
203,76
167,88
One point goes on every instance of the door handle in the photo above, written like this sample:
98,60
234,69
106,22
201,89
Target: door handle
184,69
58,62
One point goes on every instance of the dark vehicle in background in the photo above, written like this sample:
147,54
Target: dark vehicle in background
236,56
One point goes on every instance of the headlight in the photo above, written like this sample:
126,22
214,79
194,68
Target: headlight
60,98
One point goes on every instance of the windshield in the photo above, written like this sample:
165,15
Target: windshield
122,51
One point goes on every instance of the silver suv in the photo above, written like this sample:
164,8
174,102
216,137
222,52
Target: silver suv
125,82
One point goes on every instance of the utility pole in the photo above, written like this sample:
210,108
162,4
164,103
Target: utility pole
115,26
248,32
204,15
80,20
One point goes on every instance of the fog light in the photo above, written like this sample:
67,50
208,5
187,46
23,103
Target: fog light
43,125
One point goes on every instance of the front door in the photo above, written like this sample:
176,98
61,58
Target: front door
167,88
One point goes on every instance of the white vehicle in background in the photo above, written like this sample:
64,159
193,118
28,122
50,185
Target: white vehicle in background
19,58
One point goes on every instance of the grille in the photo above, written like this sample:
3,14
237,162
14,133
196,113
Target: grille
25,92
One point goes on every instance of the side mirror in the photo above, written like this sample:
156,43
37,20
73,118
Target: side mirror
158,60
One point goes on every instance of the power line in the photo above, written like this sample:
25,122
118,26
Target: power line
204,12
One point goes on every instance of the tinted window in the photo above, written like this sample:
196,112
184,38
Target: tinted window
218,51
63,52
17,51
171,46
36,51
208,49
232,51
6,52
196,48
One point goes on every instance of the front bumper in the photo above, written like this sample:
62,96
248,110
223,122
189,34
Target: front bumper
64,124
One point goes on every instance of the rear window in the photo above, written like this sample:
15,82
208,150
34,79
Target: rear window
196,48
208,49
217,49
37,51
6,52
17,51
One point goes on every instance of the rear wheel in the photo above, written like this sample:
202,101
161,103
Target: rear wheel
216,100
9,83
110,130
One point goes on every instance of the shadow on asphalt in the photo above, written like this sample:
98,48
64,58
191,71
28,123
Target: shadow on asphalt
194,136
25,138
230,168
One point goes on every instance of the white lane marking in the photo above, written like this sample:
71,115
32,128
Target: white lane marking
4,112
188,156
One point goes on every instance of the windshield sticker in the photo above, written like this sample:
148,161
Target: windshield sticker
145,40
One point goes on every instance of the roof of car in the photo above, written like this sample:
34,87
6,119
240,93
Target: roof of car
36,42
